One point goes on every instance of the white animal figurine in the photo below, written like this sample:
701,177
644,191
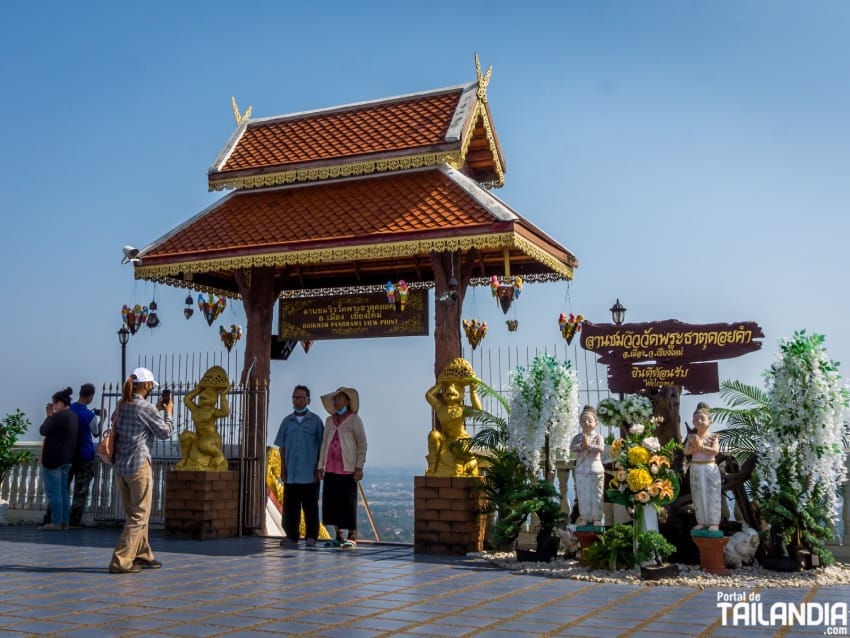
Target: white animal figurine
569,541
741,547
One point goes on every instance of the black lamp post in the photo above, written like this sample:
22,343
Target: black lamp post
123,338
618,312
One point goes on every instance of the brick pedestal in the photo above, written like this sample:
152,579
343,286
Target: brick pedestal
711,553
447,515
202,505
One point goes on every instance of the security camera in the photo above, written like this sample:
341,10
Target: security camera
131,255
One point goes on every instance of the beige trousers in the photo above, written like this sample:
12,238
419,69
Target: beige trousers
137,497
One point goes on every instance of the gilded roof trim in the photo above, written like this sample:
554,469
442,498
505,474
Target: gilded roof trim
372,251
353,169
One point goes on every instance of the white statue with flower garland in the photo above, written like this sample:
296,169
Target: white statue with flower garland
588,445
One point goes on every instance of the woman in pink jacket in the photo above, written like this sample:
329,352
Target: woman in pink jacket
341,460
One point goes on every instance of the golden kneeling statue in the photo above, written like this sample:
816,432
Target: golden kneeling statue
446,397
275,488
201,449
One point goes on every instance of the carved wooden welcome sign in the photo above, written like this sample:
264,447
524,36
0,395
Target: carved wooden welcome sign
679,352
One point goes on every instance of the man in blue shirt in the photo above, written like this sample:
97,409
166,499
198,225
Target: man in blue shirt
82,469
299,439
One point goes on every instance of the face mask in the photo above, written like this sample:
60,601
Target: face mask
301,411
342,410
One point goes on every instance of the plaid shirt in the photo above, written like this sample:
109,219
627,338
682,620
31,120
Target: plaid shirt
136,425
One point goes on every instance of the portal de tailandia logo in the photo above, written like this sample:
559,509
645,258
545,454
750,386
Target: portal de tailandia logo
746,609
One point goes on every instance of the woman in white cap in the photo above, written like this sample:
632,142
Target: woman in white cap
136,422
341,460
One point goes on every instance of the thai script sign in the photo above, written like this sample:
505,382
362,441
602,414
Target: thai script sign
696,378
352,317
670,341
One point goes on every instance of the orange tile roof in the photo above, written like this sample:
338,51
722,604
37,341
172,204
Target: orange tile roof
305,224
417,122
423,129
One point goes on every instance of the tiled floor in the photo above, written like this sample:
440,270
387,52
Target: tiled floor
56,584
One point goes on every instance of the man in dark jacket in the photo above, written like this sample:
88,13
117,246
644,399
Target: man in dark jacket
57,454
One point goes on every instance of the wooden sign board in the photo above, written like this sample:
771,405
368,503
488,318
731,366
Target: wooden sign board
696,378
669,341
352,317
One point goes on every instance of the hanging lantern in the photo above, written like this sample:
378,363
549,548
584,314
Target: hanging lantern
188,311
569,325
475,331
397,294
307,345
230,337
153,319
135,317
505,293
211,307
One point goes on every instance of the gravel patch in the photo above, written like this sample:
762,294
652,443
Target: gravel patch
689,575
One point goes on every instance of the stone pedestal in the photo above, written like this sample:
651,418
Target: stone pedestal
586,538
202,505
448,518
711,553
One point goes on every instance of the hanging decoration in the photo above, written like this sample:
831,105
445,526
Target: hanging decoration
188,311
307,345
230,337
153,319
135,317
505,293
397,294
475,331
570,325
512,325
211,307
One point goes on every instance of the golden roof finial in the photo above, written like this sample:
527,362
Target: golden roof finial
240,119
483,80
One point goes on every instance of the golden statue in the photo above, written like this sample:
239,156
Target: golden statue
275,488
201,449
446,397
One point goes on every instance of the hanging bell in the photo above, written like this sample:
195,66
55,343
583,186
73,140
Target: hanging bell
188,311
153,319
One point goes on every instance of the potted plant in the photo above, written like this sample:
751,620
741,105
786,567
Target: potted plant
801,457
613,550
11,428
652,551
542,415
542,419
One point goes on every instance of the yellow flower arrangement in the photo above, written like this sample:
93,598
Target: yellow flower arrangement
642,472
638,479
638,455
617,447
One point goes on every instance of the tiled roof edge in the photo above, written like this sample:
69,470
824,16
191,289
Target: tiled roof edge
188,222
485,198
353,105
227,150
465,108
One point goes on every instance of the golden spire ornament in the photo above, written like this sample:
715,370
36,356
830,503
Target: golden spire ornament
240,119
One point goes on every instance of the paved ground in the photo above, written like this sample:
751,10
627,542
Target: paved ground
56,584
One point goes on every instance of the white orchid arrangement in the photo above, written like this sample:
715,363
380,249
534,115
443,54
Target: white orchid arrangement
802,459
543,400
633,409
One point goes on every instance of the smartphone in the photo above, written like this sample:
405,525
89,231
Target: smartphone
165,398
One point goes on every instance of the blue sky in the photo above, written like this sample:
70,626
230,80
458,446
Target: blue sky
694,155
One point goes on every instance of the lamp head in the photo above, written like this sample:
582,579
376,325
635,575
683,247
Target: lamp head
131,255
